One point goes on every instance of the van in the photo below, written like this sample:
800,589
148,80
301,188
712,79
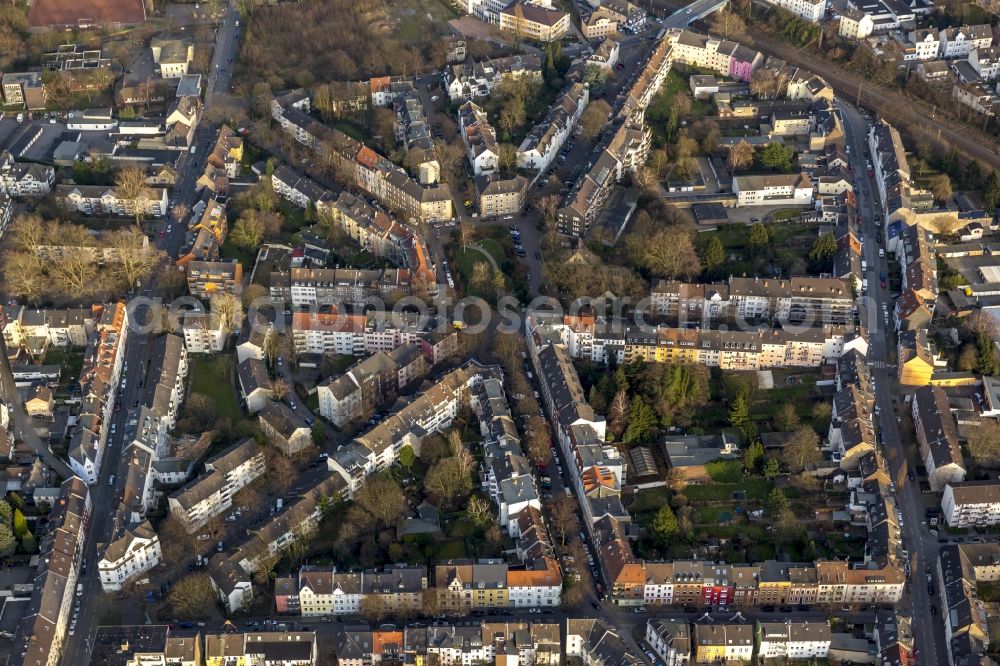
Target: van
79,589
864,265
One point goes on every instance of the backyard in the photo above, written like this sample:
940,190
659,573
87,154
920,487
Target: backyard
214,376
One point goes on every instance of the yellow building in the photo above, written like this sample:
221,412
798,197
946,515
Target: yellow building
224,650
915,364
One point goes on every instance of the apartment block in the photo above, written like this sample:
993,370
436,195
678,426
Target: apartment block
534,20
135,551
937,437
285,429
363,389
971,504
210,495
205,278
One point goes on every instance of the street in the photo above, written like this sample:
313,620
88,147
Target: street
930,641
105,495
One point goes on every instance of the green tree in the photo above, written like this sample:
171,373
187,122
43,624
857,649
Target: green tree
771,468
641,421
318,433
406,457
20,524
759,237
986,356
8,544
776,503
713,255
15,500
6,513
752,457
29,544
777,156
991,191
822,251
664,526
739,411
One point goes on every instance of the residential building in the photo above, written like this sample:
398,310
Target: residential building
790,189
135,550
535,21
538,150
605,55
721,56
986,62
600,24
43,625
855,23
24,89
793,639
204,332
103,200
723,640
431,411
538,585
959,42
24,179
284,429
971,504
362,390
479,137
937,436
925,44
255,384
497,196
595,643
812,11
205,278
466,81
172,55
670,640
210,495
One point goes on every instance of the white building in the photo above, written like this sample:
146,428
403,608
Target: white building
540,147
926,44
479,137
227,473
203,333
25,180
807,10
959,42
855,24
135,551
971,504
986,62
776,190
670,640
103,200
793,640
536,587
323,591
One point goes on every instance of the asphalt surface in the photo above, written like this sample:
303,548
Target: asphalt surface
696,10
923,547
107,492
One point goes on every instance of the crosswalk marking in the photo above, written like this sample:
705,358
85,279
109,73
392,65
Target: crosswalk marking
878,364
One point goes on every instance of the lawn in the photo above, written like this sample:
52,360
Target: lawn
213,376
649,501
756,488
465,259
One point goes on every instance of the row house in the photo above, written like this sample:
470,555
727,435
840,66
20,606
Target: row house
670,640
961,41
797,300
625,151
333,287
543,143
171,357
36,329
937,437
959,569
145,644
469,81
479,137
596,642
722,56
986,62
212,494
43,623
99,377
431,411
19,179
723,640
793,640
255,384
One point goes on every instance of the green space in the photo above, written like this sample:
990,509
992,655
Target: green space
214,376
352,129
754,488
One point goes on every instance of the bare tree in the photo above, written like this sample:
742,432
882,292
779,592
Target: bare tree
382,498
136,258
740,156
562,517
280,388
506,157
229,309
193,596
727,23
130,185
